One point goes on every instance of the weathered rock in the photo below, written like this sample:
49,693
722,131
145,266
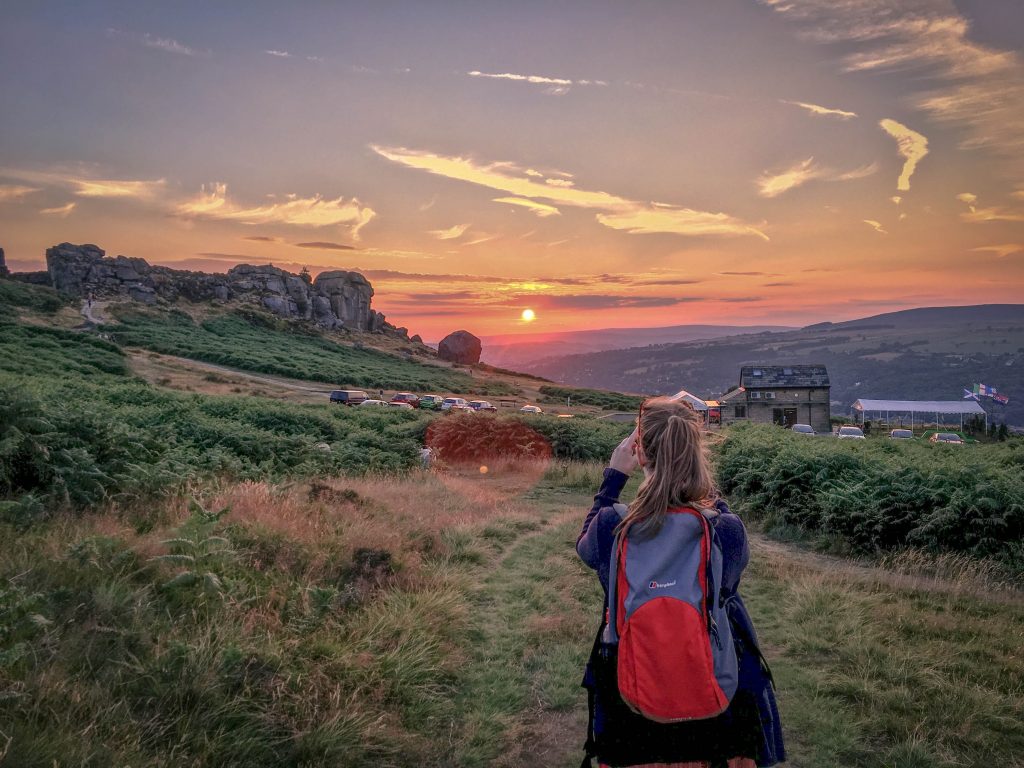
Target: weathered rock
4,271
335,299
460,347
416,339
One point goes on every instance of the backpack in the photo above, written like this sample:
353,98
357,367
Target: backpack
666,615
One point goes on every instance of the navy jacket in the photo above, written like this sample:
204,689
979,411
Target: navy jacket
594,546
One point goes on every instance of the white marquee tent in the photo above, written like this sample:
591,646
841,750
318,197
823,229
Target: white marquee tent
934,408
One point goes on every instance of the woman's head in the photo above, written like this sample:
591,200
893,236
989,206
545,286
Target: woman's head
676,467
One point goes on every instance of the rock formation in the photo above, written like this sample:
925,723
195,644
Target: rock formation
4,271
335,299
460,347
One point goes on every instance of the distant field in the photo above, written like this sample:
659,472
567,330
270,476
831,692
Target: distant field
255,342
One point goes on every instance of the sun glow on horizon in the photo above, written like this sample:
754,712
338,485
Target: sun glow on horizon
529,316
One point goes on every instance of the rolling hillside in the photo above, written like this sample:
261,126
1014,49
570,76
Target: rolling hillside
929,353
517,350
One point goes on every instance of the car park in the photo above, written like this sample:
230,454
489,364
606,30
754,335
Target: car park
481,405
431,402
457,403
948,438
530,409
901,434
803,429
406,397
348,396
373,404
851,433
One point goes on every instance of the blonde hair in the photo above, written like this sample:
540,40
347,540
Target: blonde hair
678,469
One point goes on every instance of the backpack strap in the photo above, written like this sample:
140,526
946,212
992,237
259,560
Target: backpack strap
611,634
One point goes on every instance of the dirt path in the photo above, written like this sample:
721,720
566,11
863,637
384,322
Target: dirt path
93,312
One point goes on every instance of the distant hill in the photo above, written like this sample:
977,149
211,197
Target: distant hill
521,349
928,353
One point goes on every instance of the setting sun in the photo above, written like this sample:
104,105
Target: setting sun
529,315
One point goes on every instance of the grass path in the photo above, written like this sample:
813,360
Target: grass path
874,670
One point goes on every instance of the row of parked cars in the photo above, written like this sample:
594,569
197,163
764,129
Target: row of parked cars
409,400
849,432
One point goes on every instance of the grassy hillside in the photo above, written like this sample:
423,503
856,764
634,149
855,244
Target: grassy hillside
254,341
919,354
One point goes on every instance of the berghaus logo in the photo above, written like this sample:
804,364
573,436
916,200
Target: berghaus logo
661,584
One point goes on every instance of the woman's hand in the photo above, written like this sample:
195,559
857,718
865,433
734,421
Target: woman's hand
624,456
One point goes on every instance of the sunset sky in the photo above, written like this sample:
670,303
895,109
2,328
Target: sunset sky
603,164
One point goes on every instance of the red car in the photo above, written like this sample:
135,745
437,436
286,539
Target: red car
406,397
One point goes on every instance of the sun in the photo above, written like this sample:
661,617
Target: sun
529,315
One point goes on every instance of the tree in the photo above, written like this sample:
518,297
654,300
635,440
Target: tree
1003,432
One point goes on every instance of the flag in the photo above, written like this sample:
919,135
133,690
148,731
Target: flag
984,390
969,395
1001,399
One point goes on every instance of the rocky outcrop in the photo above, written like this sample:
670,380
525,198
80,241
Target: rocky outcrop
460,347
4,271
335,299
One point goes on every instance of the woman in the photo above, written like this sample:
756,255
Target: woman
668,446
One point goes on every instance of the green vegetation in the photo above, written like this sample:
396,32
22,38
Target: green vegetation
254,341
24,296
76,429
878,495
609,401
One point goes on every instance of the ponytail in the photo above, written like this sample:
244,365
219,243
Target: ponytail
678,468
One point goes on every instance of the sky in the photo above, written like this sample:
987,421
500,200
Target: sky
603,164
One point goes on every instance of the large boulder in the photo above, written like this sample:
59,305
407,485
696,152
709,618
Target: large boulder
349,295
4,271
460,347
76,269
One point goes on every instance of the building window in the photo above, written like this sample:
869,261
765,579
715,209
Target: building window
741,411
787,371
757,372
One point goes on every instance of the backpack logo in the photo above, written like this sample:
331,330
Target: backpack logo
659,585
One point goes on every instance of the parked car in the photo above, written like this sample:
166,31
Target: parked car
348,396
949,438
406,397
901,434
373,403
406,406
851,433
530,409
481,405
431,402
803,429
454,402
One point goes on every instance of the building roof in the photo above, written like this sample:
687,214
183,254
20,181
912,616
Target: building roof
761,376
698,403
920,406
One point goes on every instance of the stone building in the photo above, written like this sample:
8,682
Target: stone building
783,395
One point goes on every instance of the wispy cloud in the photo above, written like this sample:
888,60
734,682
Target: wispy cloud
279,54
262,238
876,225
820,111
452,233
911,145
973,85
166,44
774,184
1001,251
541,209
316,211
554,86
15,192
61,211
85,186
326,246
977,214
616,212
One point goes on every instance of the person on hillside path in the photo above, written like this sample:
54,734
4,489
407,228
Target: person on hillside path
668,445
